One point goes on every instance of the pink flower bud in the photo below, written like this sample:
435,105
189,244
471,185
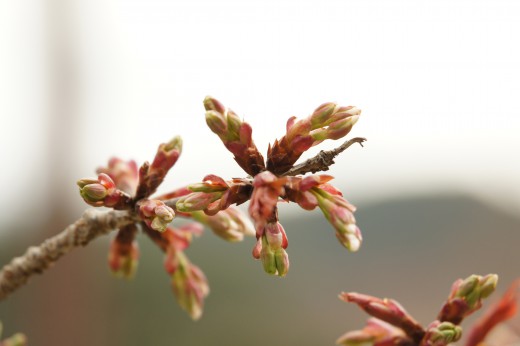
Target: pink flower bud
212,104
124,174
267,189
189,283
123,258
217,123
340,214
167,155
156,214
100,192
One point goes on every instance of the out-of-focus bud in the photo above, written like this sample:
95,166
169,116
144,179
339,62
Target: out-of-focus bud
441,334
189,283
229,224
387,310
102,192
17,339
340,214
123,258
375,333
466,297
267,189
270,249
156,214
197,201
123,173
499,312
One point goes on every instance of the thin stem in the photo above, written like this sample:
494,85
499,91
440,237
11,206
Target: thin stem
323,160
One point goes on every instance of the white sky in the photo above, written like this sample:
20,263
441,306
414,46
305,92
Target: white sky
438,83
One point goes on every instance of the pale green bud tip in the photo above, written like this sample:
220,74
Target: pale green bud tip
488,285
84,182
212,104
445,333
467,286
15,340
216,122
93,192
356,338
174,144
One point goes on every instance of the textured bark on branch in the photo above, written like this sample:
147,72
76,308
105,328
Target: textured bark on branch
95,223
323,160
37,259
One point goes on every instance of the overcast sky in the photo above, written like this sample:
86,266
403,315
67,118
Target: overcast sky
438,83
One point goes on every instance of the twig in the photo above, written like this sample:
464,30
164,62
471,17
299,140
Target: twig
323,160
37,259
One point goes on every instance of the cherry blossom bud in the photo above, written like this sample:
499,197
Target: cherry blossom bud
229,224
123,173
466,297
340,214
387,310
102,192
123,258
167,154
267,189
270,249
156,214
375,333
235,134
441,334
189,283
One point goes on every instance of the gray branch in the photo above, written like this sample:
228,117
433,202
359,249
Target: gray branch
323,160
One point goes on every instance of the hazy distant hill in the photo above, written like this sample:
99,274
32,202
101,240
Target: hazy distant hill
413,250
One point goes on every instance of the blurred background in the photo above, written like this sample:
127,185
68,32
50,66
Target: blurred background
437,184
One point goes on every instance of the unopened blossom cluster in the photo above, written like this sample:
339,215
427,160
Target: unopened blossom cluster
391,324
122,185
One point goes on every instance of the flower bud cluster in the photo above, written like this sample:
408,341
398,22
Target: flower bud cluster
466,297
270,249
235,134
328,121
